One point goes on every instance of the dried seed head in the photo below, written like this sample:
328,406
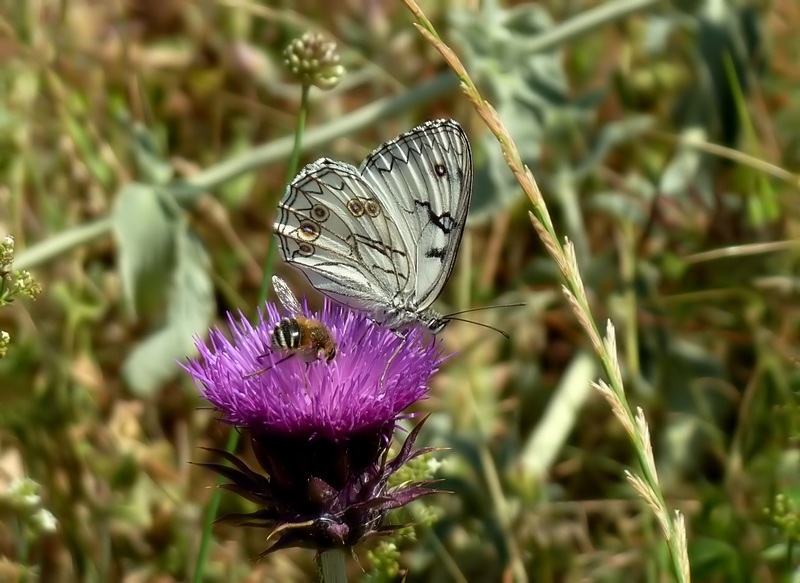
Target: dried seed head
314,61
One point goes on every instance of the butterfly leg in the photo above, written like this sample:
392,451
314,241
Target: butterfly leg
396,352
364,335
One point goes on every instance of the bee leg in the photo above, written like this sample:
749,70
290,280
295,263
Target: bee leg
305,377
265,369
255,373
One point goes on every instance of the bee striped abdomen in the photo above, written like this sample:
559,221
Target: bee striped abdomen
287,334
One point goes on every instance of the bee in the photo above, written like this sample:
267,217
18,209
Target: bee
298,335
308,338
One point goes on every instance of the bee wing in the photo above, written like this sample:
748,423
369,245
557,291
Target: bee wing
287,298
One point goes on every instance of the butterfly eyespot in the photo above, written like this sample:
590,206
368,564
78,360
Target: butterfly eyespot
308,231
373,208
305,249
355,207
440,170
320,213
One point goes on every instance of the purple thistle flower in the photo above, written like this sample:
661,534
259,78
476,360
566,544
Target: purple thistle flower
321,431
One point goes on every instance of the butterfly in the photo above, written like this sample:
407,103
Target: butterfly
383,237
309,339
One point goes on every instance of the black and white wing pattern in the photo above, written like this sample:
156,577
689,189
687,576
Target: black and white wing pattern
424,179
383,237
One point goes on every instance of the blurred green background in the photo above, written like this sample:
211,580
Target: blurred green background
143,148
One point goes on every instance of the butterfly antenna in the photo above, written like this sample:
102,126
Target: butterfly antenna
450,316
481,324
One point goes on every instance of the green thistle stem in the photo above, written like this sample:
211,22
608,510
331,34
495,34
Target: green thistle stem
211,515
291,171
300,126
332,567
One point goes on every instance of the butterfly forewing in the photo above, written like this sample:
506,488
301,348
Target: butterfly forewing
425,179
332,226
